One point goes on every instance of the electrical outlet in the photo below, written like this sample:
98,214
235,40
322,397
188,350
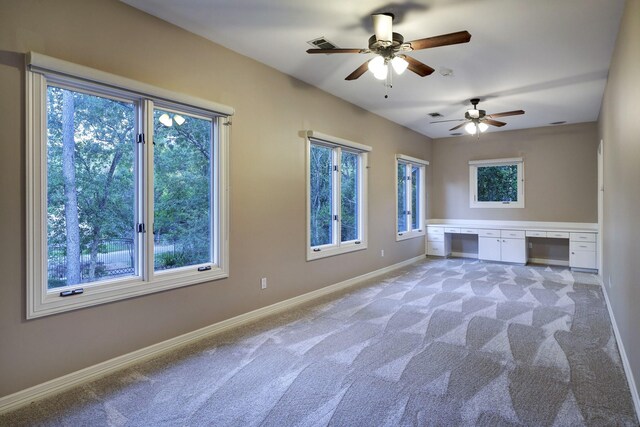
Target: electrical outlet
382,252
263,283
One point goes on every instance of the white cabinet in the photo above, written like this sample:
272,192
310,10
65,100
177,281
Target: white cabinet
513,250
499,249
489,248
582,251
437,243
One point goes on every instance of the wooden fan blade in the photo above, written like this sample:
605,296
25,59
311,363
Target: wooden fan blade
445,121
494,122
457,127
358,71
418,67
335,50
443,40
506,113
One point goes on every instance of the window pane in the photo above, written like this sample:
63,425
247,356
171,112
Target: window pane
498,183
321,187
402,198
415,194
349,196
90,187
182,189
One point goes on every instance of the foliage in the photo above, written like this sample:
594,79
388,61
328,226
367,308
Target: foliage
349,196
498,183
321,197
402,198
104,132
104,164
182,186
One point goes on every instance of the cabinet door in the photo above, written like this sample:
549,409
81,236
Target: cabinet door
514,250
489,248
583,259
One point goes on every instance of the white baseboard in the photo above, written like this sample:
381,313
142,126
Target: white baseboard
464,255
623,354
57,385
545,261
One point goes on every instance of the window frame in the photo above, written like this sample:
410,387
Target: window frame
473,182
41,301
410,163
337,145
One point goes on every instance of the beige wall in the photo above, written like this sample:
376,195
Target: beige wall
267,183
620,131
560,164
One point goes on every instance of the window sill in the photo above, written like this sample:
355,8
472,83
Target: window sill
334,250
409,235
52,303
497,205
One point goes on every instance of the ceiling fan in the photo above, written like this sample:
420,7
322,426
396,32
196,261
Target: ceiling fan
389,47
477,121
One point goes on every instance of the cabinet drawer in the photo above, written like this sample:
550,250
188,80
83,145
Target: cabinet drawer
435,248
531,233
435,237
558,234
583,237
488,233
582,246
435,230
451,230
512,234
468,231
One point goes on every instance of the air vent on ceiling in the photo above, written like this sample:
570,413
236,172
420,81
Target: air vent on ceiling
558,123
434,115
322,43
456,134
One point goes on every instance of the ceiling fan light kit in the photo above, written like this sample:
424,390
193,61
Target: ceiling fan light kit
477,121
389,47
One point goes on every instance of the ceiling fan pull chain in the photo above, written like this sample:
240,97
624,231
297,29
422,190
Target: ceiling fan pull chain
388,84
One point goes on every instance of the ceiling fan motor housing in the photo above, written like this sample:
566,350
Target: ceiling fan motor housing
383,47
475,114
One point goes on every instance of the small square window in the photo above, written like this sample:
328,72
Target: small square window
496,183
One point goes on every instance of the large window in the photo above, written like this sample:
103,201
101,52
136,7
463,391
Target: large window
126,188
410,197
497,183
336,202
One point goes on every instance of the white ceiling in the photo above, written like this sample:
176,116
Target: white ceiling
547,57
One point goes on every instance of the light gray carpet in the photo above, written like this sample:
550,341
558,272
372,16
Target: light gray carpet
443,343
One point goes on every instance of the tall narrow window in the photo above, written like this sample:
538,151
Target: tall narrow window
349,177
126,188
182,150
497,183
336,202
90,187
410,196
321,182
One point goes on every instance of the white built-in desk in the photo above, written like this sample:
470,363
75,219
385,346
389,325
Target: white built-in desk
506,241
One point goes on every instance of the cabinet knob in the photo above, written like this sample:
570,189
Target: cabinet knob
573,253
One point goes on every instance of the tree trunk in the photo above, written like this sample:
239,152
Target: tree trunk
70,190
102,203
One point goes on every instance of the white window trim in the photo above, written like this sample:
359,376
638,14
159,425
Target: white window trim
473,183
422,164
41,301
323,251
